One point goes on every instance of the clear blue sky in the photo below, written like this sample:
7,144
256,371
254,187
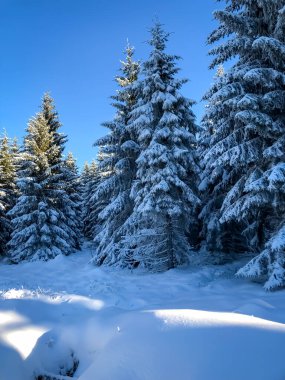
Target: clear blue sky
72,48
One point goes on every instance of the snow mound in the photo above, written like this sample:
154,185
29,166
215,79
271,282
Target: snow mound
66,316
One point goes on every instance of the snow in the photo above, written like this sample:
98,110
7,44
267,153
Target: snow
187,323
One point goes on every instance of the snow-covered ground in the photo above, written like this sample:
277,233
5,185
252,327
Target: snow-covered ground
190,323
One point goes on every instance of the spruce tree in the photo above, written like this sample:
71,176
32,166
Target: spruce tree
164,192
73,190
51,116
85,181
43,211
90,207
8,192
217,178
246,155
117,166
69,202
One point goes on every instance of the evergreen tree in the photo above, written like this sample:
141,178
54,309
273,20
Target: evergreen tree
40,228
85,194
216,178
65,170
8,192
117,165
246,155
89,182
73,190
51,116
164,191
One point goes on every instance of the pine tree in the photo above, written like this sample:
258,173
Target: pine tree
216,178
90,207
246,154
8,192
40,228
85,194
69,203
118,166
164,192
73,190
51,116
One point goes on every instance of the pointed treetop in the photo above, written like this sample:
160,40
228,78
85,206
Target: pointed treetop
15,145
158,36
49,112
6,155
70,157
47,101
130,68
39,142
93,166
70,161
86,167
4,138
8,142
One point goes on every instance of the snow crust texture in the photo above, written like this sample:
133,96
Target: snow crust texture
198,323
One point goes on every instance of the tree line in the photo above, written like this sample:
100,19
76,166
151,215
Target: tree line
162,186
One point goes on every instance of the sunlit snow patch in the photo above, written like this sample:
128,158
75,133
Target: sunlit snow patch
196,318
16,332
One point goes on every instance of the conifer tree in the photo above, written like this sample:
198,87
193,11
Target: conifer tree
73,190
85,181
51,116
246,155
164,192
39,229
44,219
69,203
8,192
90,207
117,165
216,180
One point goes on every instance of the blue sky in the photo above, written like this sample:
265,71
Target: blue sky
73,48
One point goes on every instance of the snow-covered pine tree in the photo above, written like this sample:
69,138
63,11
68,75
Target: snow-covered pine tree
39,227
84,180
247,148
73,190
216,179
90,207
66,204
51,116
8,191
164,192
118,166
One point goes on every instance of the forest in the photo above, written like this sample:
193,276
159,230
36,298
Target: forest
164,256
162,186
